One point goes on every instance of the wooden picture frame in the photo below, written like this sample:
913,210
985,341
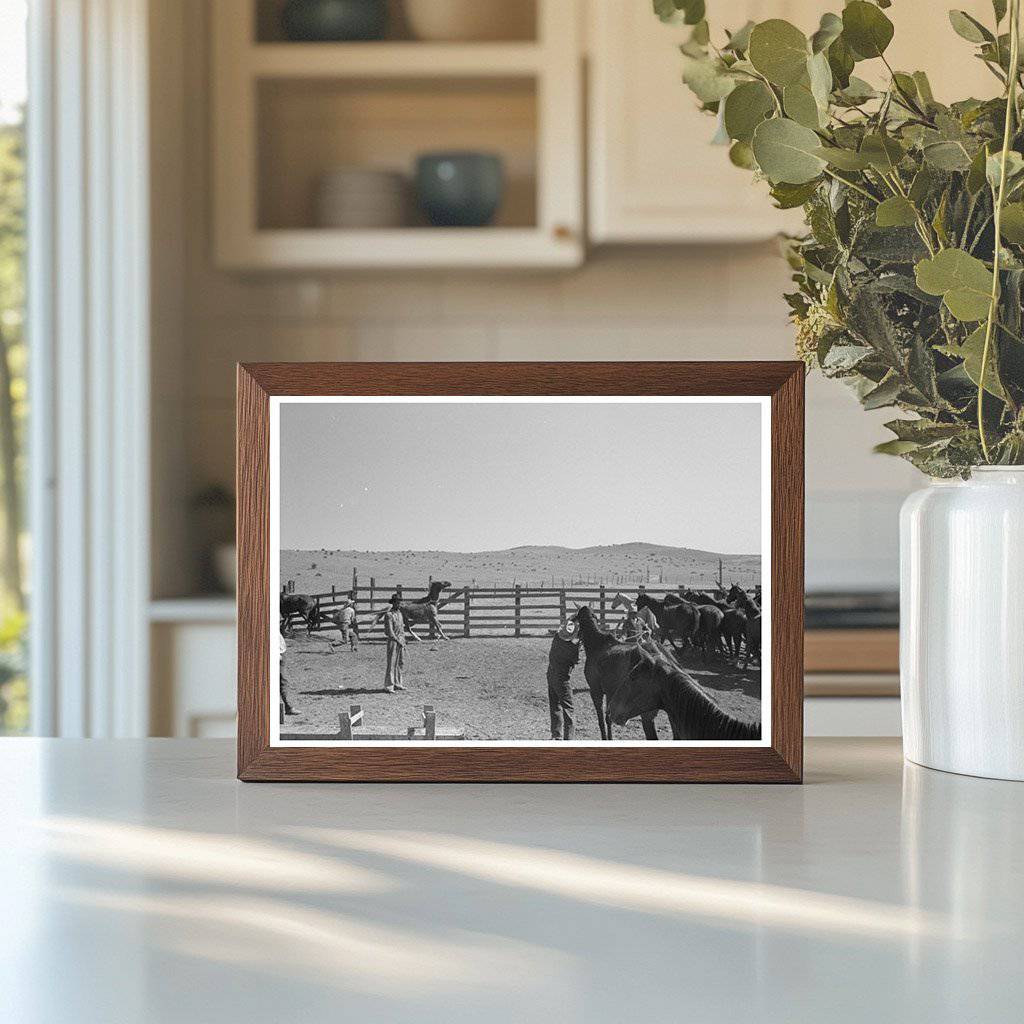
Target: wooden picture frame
780,759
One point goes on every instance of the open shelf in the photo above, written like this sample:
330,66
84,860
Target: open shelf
286,114
309,127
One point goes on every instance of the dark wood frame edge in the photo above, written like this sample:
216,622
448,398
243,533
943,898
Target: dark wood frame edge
781,762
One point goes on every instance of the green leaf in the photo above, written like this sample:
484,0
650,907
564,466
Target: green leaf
895,447
841,63
963,281
787,151
857,91
690,12
971,352
819,74
866,29
745,108
922,185
741,155
895,212
779,51
883,152
884,394
969,28
801,106
829,30
788,197
947,156
844,159
922,431
1012,224
976,173
924,88
707,78
993,167
739,41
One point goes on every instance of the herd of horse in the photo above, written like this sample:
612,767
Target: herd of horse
633,671
638,677
725,626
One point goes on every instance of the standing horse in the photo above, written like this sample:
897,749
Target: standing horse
655,684
675,617
298,606
607,666
639,623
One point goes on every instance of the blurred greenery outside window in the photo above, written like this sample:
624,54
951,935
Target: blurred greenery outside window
14,538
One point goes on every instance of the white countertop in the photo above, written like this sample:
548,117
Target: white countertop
140,882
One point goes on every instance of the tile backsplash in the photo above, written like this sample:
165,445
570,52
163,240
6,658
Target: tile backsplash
709,303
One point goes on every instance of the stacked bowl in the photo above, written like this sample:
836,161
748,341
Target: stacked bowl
362,197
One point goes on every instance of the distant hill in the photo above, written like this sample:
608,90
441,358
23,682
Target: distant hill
621,565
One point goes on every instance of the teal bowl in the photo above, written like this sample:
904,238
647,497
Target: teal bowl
460,190
334,21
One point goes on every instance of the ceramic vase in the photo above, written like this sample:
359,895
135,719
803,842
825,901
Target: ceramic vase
962,624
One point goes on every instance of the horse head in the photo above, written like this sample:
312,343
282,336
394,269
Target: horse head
638,693
583,614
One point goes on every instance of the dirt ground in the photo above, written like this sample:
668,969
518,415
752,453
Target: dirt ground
494,689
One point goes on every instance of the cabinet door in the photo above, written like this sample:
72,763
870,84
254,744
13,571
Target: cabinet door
653,174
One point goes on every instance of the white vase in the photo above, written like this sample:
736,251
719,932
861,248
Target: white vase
962,624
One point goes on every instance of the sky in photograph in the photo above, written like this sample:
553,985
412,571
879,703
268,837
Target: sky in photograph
482,476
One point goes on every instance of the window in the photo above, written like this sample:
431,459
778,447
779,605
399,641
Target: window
14,549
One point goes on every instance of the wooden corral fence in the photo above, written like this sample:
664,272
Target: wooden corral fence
510,611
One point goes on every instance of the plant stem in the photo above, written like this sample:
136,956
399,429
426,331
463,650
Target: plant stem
853,185
1011,108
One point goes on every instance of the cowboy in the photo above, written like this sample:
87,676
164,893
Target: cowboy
394,630
562,658
348,623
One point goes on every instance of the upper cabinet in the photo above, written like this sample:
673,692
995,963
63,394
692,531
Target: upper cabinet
316,144
654,176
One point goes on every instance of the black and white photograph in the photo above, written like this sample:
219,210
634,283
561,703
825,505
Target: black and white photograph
520,570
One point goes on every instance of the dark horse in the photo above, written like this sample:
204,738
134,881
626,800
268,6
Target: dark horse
655,684
608,664
423,611
298,606
676,617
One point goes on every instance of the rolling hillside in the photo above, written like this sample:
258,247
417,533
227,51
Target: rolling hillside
533,565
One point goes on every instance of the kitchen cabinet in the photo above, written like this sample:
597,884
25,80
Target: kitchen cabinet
287,114
654,177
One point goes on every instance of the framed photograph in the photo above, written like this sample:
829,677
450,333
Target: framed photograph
560,572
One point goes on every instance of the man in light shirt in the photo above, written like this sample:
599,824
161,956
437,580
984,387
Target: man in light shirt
394,630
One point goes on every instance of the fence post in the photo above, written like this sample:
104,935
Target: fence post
519,609
465,612
602,606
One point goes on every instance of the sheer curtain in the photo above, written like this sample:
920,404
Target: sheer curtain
88,324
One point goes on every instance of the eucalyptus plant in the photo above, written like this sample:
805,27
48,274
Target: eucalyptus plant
910,277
